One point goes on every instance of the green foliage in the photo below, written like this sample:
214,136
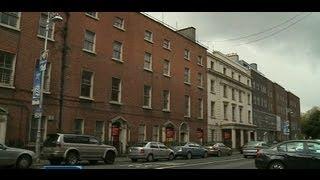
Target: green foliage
311,123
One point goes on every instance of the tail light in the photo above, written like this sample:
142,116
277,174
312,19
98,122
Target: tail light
259,153
58,144
141,151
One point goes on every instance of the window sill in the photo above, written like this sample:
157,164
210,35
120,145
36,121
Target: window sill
117,60
212,92
200,87
10,27
88,51
187,116
188,59
6,86
86,98
212,117
42,37
200,118
147,107
166,110
122,29
168,49
93,17
187,83
149,41
167,75
116,103
149,70
200,64
46,92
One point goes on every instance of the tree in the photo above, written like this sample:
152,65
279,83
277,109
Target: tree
311,123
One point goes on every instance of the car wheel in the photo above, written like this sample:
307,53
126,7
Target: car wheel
171,157
276,165
189,155
245,156
134,160
205,155
55,162
24,162
93,161
219,153
72,158
150,158
110,157
230,153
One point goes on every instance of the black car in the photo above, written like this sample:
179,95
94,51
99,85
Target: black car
294,154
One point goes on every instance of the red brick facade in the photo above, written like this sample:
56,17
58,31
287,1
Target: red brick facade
26,46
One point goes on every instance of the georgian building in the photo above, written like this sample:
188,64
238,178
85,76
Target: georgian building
229,100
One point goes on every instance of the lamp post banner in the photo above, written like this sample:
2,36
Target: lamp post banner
36,85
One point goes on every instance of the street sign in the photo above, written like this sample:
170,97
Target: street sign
36,85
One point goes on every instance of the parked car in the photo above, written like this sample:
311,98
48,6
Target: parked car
218,149
72,148
251,148
189,150
294,154
150,151
19,158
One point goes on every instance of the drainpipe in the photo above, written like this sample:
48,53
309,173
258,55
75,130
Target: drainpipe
63,69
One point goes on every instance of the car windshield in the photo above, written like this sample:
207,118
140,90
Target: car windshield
140,144
51,140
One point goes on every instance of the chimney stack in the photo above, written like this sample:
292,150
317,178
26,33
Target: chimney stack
189,32
233,56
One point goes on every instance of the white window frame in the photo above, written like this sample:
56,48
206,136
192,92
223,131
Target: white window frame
212,83
240,114
150,97
50,36
102,138
94,17
12,77
119,93
157,133
212,107
121,51
144,62
225,91
91,85
212,65
189,74
46,87
233,113
249,116
151,36
144,132
169,44
249,99
94,42
168,101
17,27
169,68
200,115
200,61
115,23
225,111
200,80
189,106
188,54
82,125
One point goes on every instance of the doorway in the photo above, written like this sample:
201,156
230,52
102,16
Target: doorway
3,125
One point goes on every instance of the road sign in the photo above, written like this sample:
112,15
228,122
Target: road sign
36,85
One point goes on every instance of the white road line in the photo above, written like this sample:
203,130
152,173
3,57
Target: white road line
204,163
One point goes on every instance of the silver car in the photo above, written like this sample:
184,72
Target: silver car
72,148
252,147
20,158
150,151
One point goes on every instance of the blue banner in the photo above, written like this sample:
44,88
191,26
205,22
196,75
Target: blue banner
36,85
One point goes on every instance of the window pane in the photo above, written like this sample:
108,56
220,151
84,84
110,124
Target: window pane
86,83
115,94
117,48
9,18
6,68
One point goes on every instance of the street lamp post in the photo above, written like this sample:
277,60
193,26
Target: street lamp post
290,124
44,56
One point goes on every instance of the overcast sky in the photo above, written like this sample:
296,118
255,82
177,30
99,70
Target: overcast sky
289,56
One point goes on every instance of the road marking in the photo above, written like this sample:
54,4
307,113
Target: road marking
204,163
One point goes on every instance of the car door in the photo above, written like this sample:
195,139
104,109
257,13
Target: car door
164,151
294,155
313,150
222,148
83,146
198,150
95,150
7,157
154,149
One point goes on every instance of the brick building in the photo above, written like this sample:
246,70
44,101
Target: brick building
123,77
293,103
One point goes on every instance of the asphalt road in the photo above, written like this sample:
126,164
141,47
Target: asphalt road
228,162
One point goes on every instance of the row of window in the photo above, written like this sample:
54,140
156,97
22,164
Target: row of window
233,112
225,94
259,87
116,91
224,71
260,101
